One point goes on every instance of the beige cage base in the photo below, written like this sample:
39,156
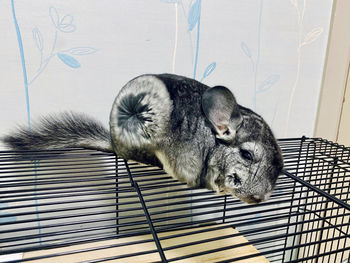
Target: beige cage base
120,247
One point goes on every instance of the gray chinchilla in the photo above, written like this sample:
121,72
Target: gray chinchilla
198,134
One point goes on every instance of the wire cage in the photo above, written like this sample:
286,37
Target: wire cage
80,205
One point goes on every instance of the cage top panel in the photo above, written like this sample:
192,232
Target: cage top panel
76,202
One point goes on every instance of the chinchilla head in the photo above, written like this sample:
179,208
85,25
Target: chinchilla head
247,159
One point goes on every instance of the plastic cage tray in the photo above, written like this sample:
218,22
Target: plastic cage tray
86,206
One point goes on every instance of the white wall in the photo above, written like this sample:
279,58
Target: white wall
78,54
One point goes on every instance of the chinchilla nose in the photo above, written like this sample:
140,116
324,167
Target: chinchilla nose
262,197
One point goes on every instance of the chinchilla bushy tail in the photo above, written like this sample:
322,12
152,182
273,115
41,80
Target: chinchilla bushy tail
140,114
66,130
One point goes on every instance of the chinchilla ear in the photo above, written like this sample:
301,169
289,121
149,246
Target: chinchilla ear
222,111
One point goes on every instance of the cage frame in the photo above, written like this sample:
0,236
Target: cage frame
301,155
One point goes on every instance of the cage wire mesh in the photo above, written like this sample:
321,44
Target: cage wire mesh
86,206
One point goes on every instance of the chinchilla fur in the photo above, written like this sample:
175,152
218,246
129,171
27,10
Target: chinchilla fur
198,134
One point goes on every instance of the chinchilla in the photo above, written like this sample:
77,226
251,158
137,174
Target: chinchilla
197,134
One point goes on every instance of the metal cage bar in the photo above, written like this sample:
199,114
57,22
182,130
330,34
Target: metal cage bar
80,202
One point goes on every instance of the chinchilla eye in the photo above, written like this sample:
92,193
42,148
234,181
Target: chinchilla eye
246,155
235,179
227,132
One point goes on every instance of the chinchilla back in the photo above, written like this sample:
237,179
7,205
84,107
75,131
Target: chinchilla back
158,119
190,140
187,118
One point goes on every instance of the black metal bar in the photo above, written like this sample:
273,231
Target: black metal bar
313,188
329,184
310,161
224,210
347,191
116,195
293,197
149,219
